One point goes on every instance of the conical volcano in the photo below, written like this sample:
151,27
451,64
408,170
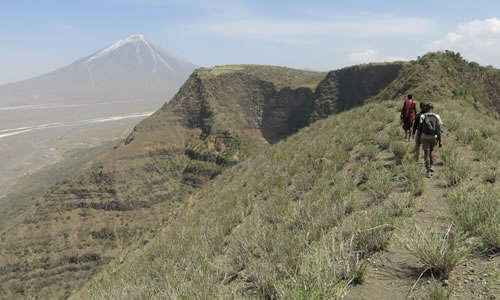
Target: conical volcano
132,69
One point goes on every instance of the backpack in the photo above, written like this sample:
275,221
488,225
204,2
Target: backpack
409,108
430,125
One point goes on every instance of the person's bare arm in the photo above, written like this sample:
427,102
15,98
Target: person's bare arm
439,138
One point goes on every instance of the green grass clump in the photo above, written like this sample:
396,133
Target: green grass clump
383,141
387,117
478,212
439,294
487,130
439,252
369,152
479,143
414,174
396,132
400,206
453,122
399,149
349,140
467,135
374,232
379,181
487,150
325,270
456,168
491,176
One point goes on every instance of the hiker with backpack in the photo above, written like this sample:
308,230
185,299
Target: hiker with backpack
416,135
430,133
408,116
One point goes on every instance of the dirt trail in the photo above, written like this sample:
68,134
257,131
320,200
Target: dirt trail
392,273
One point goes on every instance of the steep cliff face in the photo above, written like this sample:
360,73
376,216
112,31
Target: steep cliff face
350,87
239,99
285,112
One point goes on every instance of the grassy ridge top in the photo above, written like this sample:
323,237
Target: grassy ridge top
300,220
281,77
447,75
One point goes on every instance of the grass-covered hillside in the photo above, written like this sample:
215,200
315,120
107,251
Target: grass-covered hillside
340,208
233,190
446,75
219,117
121,200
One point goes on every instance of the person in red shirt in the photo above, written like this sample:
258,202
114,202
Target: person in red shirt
408,116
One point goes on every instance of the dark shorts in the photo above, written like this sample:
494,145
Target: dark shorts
428,142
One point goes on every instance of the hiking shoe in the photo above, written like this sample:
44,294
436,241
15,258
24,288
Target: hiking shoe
431,169
428,175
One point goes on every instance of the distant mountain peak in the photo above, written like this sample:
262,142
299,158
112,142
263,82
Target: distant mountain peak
131,39
136,36
134,67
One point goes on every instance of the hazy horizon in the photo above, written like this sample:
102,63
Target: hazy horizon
319,35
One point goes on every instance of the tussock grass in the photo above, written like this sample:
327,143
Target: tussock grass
383,141
414,174
478,212
487,150
439,252
487,130
386,117
456,168
399,149
369,152
396,132
491,176
467,135
379,181
326,270
452,121
373,232
479,143
349,140
438,293
401,206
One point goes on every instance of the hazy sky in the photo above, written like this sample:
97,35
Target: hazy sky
41,35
